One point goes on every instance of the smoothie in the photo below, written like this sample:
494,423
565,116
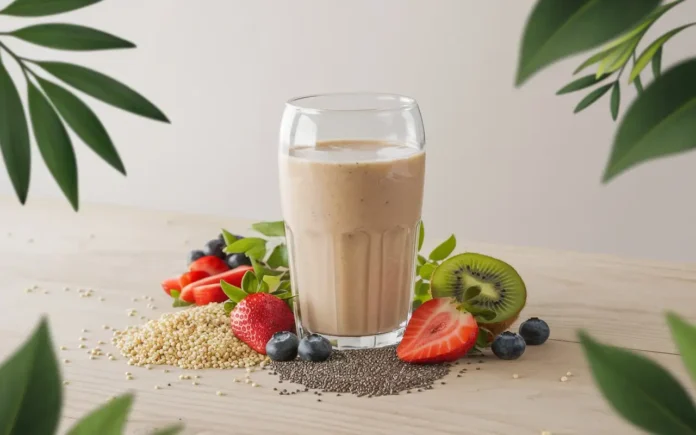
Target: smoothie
352,210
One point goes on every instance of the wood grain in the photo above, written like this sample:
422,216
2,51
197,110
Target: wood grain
124,253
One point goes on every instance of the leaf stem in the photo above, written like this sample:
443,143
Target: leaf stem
20,61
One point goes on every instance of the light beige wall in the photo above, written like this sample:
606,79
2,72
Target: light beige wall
510,166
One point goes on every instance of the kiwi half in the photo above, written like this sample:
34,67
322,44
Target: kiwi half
501,287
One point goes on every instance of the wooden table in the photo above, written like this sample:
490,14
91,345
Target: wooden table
123,253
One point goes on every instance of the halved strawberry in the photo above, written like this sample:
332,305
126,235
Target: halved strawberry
206,294
189,277
170,284
209,264
437,332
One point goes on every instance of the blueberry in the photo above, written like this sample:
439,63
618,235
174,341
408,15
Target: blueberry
215,247
535,331
282,346
315,348
508,345
236,260
195,255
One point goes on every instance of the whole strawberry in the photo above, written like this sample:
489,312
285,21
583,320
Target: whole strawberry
257,317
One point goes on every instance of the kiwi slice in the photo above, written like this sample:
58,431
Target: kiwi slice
501,287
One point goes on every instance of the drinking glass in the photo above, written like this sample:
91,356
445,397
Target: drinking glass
352,169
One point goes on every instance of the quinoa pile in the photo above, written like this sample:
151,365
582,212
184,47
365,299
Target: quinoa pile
368,372
196,338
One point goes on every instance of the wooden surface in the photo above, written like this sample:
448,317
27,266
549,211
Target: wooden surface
123,253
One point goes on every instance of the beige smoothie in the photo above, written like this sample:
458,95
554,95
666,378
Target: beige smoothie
352,210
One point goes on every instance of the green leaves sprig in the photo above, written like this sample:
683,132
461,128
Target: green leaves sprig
426,266
52,106
660,122
31,395
642,391
270,273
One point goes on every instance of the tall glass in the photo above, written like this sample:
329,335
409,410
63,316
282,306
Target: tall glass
351,179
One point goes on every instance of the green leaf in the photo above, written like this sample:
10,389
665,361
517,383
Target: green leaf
618,57
30,387
471,292
171,430
284,285
229,237
649,53
54,143
557,29
482,338
84,123
422,260
592,60
657,63
104,88
684,335
592,97
640,390
444,249
249,282
581,83
638,83
257,252
242,246
660,122
258,268
229,306
70,37
273,282
285,296
421,235
421,288
232,291
42,8
14,136
615,100
109,419
278,257
270,229
426,271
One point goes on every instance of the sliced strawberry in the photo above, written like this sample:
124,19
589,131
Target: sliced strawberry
209,264
189,277
206,294
170,284
437,332
187,294
233,277
257,317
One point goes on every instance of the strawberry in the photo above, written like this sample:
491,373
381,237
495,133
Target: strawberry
209,264
189,277
170,284
206,294
257,317
233,277
437,332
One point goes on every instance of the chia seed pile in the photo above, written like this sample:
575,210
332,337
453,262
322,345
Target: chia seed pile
364,372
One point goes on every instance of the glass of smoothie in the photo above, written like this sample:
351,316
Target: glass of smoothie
351,180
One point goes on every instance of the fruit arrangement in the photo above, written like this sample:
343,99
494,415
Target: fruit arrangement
462,303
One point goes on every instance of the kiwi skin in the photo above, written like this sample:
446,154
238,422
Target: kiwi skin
488,273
